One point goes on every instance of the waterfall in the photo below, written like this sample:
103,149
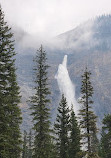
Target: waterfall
65,84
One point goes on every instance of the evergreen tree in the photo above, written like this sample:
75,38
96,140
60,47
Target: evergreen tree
94,143
62,128
25,147
10,118
74,144
87,116
41,107
53,151
106,137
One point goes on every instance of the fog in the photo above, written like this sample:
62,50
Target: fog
49,18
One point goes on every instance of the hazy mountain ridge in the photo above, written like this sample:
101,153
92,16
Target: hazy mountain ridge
87,45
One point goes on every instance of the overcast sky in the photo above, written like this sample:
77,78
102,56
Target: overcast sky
52,17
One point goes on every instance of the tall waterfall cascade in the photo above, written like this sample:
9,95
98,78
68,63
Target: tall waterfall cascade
65,84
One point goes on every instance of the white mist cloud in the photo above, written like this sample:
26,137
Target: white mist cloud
43,19
76,38
65,84
49,18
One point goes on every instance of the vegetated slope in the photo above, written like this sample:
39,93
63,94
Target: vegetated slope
87,45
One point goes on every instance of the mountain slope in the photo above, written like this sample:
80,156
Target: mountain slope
87,45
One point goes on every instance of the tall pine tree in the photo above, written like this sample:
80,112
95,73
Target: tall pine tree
74,143
41,107
10,118
62,128
87,116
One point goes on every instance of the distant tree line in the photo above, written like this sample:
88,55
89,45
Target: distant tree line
70,136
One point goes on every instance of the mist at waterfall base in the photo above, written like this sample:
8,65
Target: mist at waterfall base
65,84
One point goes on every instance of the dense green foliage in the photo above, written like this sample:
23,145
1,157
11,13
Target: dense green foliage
62,128
10,118
87,116
74,139
67,132
106,137
41,107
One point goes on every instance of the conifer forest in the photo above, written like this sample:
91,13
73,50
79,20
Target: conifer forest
72,133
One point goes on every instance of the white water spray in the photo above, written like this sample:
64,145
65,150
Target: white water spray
65,84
